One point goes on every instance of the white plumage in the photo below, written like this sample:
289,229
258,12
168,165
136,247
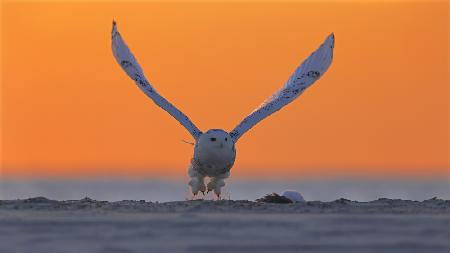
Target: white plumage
294,196
214,150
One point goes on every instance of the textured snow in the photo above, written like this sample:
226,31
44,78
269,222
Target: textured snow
86,225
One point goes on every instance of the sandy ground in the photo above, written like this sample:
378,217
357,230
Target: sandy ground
384,225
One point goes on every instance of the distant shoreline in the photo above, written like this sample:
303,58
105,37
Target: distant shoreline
167,190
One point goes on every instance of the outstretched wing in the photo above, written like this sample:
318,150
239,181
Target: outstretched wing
129,64
304,76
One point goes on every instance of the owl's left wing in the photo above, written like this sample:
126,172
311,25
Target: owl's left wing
130,65
304,76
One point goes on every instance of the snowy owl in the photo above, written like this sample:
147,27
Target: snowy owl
214,150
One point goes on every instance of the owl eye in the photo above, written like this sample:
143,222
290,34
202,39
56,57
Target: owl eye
212,139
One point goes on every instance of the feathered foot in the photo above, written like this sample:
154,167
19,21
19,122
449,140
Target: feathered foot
197,184
216,185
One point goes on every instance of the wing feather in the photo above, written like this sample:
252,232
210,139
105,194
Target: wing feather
130,65
304,76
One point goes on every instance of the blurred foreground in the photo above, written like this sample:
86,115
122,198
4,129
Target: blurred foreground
384,225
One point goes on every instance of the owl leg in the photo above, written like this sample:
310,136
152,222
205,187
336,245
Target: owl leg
197,181
197,184
217,183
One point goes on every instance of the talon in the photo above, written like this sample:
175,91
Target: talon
203,192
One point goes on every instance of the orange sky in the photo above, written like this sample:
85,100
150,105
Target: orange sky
68,110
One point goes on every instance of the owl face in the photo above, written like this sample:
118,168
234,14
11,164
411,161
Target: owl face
215,139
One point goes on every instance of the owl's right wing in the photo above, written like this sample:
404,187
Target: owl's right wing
304,76
129,64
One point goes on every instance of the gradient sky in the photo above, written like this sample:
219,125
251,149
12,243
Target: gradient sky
68,110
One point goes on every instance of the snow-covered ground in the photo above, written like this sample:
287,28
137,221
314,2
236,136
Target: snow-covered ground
384,225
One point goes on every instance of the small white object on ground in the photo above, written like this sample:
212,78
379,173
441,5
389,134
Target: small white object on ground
295,196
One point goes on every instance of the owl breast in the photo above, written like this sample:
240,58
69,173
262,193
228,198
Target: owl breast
213,162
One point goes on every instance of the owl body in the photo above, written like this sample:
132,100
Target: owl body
214,153
214,156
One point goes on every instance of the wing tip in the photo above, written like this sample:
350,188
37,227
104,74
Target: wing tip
330,40
114,31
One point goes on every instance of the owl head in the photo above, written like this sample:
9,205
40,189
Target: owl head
215,139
